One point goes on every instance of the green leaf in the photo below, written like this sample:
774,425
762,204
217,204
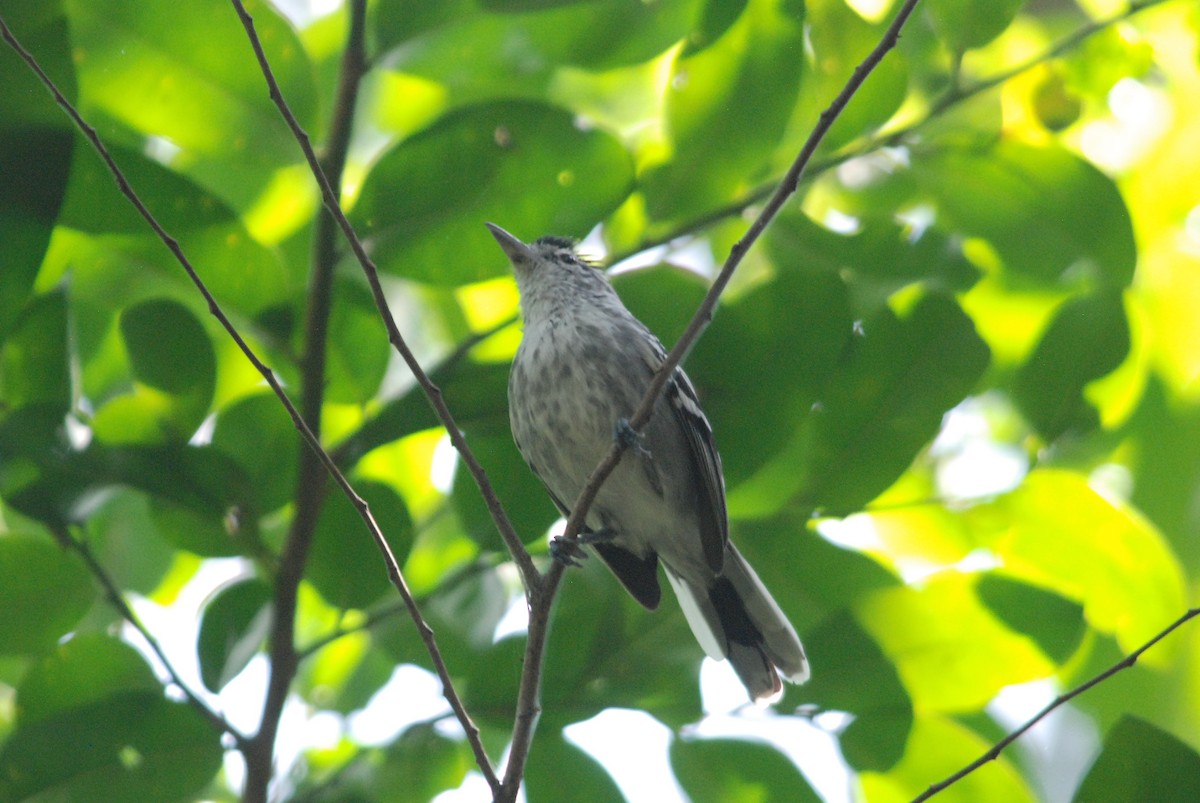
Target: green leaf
44,594
839,39
811,578
733,770
937,748
174,366
880,258
1088,338
257,433
234,623
34,360
344,563
420,765
83,671
1166,463
111,260
950,651
606,650
964,24
727,107
130,746
525,499
35,147
357,349
1053,622
594,34
184,72
1140,764
768,350
550,757
477,392
664,297
880,407
1049,214
1056,532
527,166
852,674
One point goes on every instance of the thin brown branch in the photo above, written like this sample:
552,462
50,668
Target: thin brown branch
529,572
115,598
529,693
268,375
329,195
998,748
309,494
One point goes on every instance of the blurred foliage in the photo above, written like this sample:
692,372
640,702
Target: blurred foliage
955,386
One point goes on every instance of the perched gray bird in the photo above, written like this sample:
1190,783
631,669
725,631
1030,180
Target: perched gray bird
583,364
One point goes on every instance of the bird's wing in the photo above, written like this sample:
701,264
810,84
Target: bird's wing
680,396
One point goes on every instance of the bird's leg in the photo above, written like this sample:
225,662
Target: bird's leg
570,552
630,438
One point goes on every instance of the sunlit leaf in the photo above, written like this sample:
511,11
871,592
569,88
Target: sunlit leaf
528,167
1049,214
963,24
950,651
938,748
184,73
1055,531
726,109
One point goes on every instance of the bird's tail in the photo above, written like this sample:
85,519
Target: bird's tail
736,618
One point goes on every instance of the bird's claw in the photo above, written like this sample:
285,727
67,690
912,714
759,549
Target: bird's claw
569,551
630,438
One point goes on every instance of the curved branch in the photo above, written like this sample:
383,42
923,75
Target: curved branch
528,705
998,748
529,572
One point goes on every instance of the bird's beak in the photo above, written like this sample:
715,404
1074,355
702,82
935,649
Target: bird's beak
518,253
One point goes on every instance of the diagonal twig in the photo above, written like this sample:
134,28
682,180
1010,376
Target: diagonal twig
888,137
998,747
214,308
529,572
309,494
529,693
115,598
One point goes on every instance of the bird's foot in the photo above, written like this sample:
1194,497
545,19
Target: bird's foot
630,438
569,552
